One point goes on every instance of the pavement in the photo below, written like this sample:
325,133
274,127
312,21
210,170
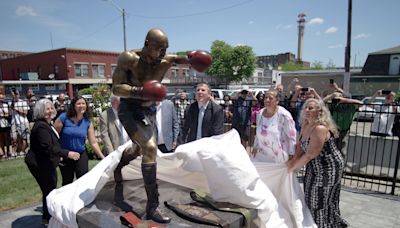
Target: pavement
360,209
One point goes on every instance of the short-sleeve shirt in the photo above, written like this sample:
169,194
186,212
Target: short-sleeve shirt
384,119
73,135
275,137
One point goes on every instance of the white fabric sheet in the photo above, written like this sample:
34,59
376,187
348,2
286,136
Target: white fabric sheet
201,164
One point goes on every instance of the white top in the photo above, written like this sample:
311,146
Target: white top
3,115
384,119
20,106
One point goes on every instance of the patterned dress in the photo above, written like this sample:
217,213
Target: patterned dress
322,185
275,137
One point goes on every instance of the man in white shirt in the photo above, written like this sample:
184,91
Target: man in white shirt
19,123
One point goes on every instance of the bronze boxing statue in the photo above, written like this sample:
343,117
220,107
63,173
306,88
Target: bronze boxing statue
137,80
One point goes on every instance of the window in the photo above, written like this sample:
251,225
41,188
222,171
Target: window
98,71
113,67
186,72
50,87
61,87
55,69
81,70
174,73
35,87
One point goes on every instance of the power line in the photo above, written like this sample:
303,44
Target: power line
194,14
94,32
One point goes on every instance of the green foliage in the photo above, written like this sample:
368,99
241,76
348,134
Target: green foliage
91,153
101,96
317,65
291,66
182,53
232,63
330,65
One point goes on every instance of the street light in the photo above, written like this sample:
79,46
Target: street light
123,19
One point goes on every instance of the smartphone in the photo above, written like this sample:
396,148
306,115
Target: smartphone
331,81
386,92
304,89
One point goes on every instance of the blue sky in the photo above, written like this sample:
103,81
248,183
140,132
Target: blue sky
268,26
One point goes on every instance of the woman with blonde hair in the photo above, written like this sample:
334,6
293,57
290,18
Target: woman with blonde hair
316,148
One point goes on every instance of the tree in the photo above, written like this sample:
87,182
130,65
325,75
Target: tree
330,65
231,63
317,65
101,96
291,66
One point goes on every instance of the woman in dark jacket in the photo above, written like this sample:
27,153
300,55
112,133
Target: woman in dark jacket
45,151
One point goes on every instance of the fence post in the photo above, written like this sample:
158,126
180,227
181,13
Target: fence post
396,166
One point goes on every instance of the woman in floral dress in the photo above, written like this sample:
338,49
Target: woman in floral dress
276,134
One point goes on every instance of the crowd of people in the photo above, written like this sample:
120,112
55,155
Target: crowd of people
294,127
298,128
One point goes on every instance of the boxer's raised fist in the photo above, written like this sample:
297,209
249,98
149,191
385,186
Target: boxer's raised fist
154,90
200,60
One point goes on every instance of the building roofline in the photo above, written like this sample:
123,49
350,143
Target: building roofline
392,50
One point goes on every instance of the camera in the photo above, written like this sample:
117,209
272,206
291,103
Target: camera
304,89
245,92
331,81
386,92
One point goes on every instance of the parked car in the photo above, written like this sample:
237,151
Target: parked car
366,112
220,93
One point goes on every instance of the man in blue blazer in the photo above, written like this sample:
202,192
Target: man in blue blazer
203,118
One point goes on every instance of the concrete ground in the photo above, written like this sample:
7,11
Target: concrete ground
360,209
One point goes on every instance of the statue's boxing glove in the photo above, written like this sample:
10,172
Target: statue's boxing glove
154,90
200,60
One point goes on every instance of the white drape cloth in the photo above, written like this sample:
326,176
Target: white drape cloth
207,164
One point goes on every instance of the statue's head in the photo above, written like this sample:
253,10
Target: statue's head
155,45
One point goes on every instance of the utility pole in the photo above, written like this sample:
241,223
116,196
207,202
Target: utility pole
346,80
122,11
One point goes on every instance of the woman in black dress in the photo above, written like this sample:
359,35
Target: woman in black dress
45,151
317,150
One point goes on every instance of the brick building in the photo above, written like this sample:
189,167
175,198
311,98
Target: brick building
11,54
61,70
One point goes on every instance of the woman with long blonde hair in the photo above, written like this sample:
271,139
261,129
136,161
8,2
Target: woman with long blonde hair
317,150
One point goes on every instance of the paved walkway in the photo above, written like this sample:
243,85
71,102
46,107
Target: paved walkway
360,209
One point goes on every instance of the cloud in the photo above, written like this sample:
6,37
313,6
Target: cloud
25,11
251,22
281,26
335,46
316,21
361,36
331,30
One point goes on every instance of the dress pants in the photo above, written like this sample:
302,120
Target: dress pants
46,177
69,168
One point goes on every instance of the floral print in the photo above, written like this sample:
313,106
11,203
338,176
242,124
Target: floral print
275,137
